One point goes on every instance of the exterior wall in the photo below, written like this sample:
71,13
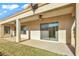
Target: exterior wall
73,33
23,36
64,32
34,29
65,23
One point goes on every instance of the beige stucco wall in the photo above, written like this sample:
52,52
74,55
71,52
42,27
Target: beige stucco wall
73,33
34,29
64,32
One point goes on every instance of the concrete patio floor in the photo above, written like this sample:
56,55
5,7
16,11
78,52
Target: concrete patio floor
50,46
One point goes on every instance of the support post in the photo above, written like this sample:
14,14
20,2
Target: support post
18,37
77,30
1,31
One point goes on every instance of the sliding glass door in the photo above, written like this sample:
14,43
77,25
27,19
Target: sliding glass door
49,31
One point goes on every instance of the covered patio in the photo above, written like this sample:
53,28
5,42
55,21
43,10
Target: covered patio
31,34
62,45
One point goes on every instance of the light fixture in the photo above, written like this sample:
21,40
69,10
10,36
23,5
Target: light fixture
40,16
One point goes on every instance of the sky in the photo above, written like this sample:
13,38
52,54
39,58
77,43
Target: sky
8,9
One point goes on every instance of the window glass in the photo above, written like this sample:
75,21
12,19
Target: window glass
49,31
7,29
23,29
53,24
44,26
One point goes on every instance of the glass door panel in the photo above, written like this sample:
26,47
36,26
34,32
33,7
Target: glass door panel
49,31
53,33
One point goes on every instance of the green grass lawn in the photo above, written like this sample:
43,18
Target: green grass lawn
16,49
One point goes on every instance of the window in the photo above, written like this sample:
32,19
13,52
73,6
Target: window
7,29
44,26
23,29
49,31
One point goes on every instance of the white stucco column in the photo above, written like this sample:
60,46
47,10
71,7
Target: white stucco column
18,30
1,31
77,29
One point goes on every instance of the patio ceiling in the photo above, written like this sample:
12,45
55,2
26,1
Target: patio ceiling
48,14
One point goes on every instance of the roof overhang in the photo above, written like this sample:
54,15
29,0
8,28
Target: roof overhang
41,9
